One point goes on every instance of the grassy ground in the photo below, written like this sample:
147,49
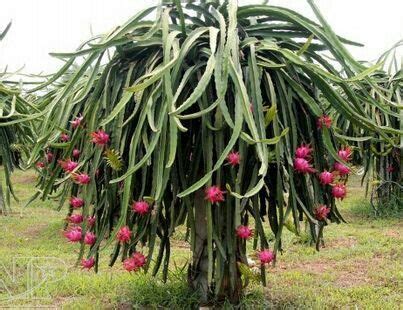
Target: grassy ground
359,267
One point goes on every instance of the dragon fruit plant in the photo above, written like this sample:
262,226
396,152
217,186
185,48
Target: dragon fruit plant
14,135
211,116
381,158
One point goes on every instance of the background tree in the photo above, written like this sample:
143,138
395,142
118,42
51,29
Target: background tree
15,136
380,158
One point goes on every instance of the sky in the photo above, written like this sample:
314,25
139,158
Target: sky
43,26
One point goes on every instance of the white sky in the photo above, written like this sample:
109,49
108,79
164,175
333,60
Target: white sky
43,26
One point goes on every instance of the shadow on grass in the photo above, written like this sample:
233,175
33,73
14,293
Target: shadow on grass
154,294
175,294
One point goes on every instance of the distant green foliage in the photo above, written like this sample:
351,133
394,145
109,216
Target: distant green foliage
13,133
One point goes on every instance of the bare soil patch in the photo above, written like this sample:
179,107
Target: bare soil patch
393,233
35,230
346,273
180,244
24,179
343,242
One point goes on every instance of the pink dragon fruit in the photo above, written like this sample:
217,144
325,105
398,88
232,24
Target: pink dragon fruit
89,238
68,165
140,259
339,190
49,156
341,169
76,218
100,137
326,177
76,153
129,264
321,212
76,202
81,178
325,121
77,121
303,151
390,169
135,262
74,234
88,263
64,137
244,232
266,256
91,221
40,165
234,158
214,194
141,207
345,153
124,234
301,165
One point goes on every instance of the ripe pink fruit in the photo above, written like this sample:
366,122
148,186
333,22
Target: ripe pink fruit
141,207
76,202
76,122
140,259
81,178
234,158
214,194
390,169
91,221
345,153
341,169
301,165
74,234
100,137
339,191
129,264
64,137
244,232
266,256
88,263
76,218
49,157
324,120
40,165
326,177
89,238
76,153
68,165
321,212
124,234
135,262
303,151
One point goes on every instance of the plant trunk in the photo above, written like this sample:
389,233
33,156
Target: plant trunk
230,287
400,176
2,201
198,270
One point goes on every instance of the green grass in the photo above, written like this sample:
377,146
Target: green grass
359,267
